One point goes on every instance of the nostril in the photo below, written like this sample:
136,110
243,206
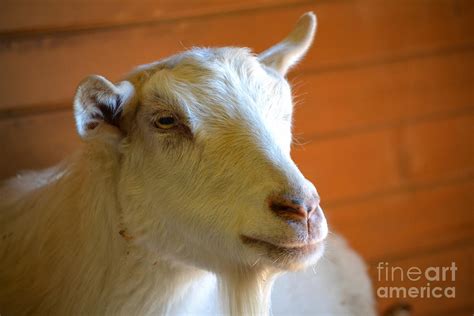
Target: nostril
279,207
293,207
289,208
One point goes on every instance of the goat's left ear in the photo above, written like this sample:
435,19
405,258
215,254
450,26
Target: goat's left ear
288,52
98,106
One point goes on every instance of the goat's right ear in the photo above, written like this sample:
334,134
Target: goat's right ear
98,105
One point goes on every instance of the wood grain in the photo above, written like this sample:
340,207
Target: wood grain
360,165
19,17
401,223
35,142
43,70
331,103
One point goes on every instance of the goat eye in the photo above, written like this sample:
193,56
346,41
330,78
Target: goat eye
166,122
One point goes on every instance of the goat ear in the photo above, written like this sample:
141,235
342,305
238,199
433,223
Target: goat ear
98,105
289,51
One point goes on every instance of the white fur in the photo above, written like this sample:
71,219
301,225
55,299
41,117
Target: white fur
141,215
337,285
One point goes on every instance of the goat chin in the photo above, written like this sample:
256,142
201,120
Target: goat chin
337,285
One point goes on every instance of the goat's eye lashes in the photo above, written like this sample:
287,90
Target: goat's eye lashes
166,122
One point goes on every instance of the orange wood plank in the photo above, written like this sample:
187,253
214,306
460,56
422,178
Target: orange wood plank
362,98
364,164
23,16
46,69
406,222
36,142
435,149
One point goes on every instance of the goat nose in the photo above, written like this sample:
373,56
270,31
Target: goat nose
293,207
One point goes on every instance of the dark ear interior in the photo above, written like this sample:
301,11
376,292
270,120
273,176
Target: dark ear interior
99,102
108,113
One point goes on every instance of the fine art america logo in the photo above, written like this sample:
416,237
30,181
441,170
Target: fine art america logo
434,281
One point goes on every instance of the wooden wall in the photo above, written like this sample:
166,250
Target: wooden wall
385,114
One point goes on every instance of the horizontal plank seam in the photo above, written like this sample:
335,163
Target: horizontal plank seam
459,244
299,140
468,110
35,110
375,62
437,116
467,177
38,109
413,188
71,30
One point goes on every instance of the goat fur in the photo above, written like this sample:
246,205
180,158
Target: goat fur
143,220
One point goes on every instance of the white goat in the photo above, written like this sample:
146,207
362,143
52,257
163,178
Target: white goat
184,183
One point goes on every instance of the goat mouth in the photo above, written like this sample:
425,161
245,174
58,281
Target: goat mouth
288,250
